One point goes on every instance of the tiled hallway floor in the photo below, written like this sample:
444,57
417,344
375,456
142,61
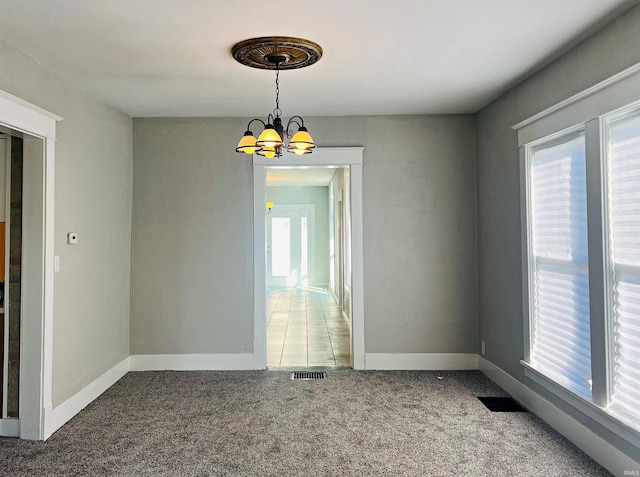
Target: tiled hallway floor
305,328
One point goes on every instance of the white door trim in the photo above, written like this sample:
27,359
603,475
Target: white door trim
36,340
331,156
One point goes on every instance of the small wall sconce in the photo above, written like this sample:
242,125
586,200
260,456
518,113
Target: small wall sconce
269,207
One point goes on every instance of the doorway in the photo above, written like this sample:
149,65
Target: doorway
316,298
37,128
304,325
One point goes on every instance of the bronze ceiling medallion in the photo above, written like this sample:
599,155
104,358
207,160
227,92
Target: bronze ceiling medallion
277,52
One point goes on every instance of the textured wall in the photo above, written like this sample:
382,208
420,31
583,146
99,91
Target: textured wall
93,174
318,196
607,52
192,245
192,277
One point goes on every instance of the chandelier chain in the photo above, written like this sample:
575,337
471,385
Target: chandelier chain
277,112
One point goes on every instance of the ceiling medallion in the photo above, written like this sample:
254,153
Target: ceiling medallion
277,53
297,52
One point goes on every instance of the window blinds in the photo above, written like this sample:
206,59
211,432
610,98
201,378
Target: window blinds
561,343
623,168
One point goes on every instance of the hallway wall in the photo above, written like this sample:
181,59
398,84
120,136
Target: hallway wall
192,259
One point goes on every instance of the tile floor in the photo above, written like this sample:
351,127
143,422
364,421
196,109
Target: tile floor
305,328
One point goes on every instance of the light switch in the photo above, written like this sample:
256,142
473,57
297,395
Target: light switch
72,238
56,263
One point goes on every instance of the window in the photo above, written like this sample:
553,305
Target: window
558,270
622,170
580,209
584,298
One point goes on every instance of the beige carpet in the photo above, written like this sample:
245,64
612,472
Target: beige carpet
261,423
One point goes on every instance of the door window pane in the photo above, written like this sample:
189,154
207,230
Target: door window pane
280,246
304,252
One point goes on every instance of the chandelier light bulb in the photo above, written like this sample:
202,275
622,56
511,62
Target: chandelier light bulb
269,137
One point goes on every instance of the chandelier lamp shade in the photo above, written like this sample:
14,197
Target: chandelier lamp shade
277,53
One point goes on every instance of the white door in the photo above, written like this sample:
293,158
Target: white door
290,245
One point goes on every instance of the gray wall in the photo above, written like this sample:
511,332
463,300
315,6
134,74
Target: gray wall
192,261
93,177
318,196
607,52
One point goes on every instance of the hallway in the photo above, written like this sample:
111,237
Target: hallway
305,328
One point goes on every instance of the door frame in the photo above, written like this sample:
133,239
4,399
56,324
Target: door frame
301,210
331,156
36,327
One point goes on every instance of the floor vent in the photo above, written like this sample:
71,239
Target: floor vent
502,404
308,375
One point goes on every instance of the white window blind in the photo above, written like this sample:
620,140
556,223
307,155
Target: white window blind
623,170
559,275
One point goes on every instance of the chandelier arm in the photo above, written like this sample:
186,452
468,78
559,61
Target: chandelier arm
255,119
293,120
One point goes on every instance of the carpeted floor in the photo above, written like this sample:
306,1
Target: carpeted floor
256,423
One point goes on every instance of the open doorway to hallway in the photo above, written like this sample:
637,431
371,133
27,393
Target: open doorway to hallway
307,244
21,180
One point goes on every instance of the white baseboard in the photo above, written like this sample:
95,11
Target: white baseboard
346,319
421,361
593,445
10,427
61,414
192,362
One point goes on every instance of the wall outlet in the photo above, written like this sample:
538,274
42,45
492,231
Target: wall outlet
482,348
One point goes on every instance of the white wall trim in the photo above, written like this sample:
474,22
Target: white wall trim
332,156
36,340
26,117
617,92
597,448
422,361
346,319
10,427
63,413
192,362
259,266
579,96
357,267
322,156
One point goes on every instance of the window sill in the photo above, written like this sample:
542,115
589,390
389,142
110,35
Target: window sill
588,408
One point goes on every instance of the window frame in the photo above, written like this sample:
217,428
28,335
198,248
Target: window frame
529,148
590,110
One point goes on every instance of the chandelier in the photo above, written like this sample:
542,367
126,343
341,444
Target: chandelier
277,53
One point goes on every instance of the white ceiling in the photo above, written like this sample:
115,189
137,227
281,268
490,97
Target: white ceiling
172,57
299,176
